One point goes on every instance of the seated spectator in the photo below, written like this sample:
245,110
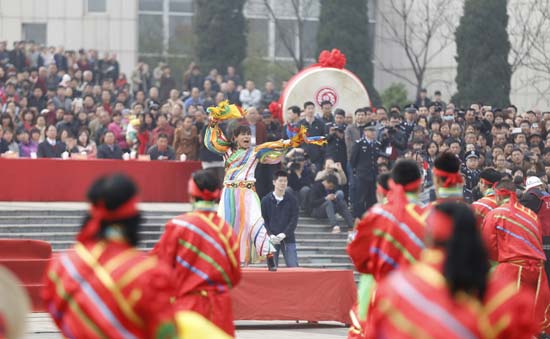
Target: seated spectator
325,201
162,151
70,143
332,168
109,149
118,130
186,140
27,145
194,99
10,140
85,144
51,148
280,213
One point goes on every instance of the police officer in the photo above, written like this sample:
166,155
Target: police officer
363,160
471,175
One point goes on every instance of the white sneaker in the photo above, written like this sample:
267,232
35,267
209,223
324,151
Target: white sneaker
335,230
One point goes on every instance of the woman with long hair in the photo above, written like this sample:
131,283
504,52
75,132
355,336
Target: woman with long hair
85,144
239,204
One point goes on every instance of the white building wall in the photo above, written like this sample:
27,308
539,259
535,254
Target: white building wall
69,24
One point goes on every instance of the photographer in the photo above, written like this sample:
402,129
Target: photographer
336,143
392,138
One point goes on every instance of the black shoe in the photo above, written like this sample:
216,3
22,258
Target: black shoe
271,263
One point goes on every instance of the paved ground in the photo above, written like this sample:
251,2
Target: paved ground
41,327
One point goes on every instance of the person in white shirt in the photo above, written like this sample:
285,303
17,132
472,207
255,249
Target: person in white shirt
250,96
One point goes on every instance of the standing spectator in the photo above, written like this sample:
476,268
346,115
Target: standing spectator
364,156
408,125
3,144
37,99
51,148
326,112
141,78
280,213
62,101
232,93
353,133
17,56
167,83
232,76
273,127
392,138
162,151
326,201
109,149
336,143
269,95
68,123
315,127
292,122
300,177
422,100
61,59
250,96
471,175
163,127
534,192
437,100
186,140
195,78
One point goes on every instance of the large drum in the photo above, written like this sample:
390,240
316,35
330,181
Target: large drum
317,84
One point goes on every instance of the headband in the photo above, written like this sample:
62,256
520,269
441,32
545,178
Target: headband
100,213
397,195
487,182
503,192
205,194
451,179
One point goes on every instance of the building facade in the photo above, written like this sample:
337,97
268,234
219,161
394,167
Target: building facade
162,29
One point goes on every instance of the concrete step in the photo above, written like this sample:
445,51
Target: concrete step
79,213
309,250
51,236
324,259
74,228
60,219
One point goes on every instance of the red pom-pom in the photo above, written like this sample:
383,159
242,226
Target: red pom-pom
334,58
275,109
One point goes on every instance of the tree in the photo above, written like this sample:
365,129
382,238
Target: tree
422,29
221,29
344,25
483,71
291,36
396,94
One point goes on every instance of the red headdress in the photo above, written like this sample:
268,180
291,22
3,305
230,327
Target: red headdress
99,213
397,192
451,178
206,195
440,226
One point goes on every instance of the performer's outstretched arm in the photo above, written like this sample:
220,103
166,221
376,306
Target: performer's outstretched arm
272,152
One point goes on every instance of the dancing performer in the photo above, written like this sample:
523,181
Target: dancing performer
106,288
204,254
447,178
389,236
488,179
239,204
513,235
442,295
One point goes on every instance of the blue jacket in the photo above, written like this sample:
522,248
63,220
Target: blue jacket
281,217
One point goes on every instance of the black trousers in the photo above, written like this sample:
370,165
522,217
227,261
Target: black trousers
365,195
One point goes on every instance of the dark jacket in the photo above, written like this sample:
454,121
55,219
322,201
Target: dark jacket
296,183
317,195
154,153
336,149
530,200
364,156
3,146
104,152
316,128
281,217
45,150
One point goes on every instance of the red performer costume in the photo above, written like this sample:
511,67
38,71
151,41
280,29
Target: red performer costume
204,253
513,236
389,236
106,288
488,178
447,178
438,297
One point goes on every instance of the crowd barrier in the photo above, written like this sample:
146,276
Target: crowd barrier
68,180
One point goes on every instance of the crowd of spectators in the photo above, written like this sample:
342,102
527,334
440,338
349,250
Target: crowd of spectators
78,104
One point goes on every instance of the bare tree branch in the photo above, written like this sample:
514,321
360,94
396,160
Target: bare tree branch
421,29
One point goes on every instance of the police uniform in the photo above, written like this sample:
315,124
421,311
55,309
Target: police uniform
364,156
471,179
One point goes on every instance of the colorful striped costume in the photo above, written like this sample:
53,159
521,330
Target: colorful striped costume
108,289
513,236
390,236
416,303
204,254
484,205
239,204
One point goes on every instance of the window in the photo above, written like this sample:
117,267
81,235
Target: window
181,36
97,6
35,32
183,6
150,33
258,37
285,38
310,39
150,5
